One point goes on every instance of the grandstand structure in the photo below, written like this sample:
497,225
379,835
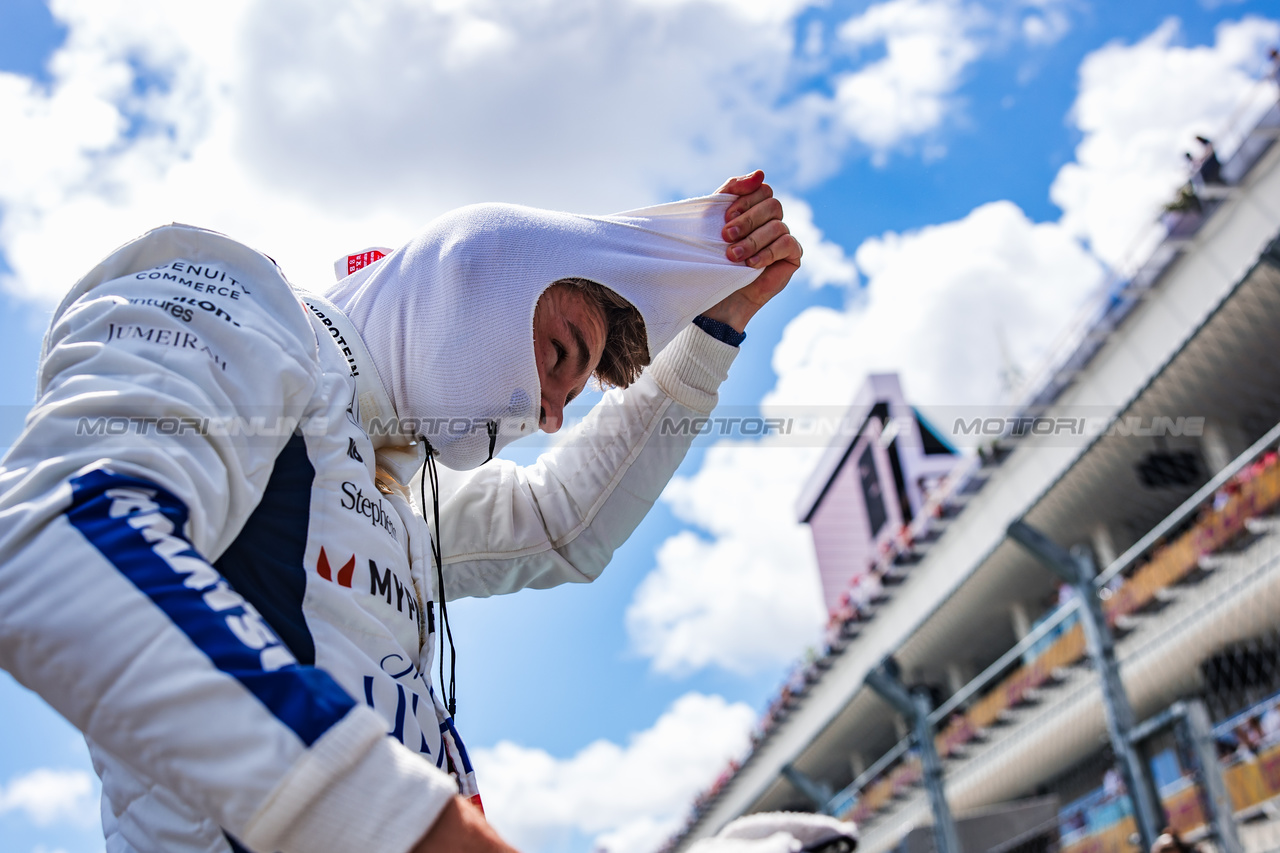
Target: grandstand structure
1150,441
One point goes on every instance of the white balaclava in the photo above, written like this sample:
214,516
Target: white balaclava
448,317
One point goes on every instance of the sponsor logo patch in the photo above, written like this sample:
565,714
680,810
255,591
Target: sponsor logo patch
324,570
354,500
360,260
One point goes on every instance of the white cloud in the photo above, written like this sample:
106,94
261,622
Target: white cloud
747,597
824,262
366,121
909,92
1045,29
49,796
607,104
934,308
369,119
1139,108
1043,22
938,299
906,93
630,797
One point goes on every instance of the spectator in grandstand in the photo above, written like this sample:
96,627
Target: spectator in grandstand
1238,749
856,599
846,612
864,593
840,626
1208,167
797,682
1186,200
1270,725
1249,736
1220,499
1113,785
1074,821
831,639
766,719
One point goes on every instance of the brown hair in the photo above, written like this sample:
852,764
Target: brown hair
626,344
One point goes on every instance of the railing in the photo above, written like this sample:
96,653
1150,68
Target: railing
1251,494
1189,506
1095,814
1103,311
1252,778
1168,565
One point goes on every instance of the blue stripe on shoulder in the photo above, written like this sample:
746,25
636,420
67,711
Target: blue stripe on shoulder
138,527
265,562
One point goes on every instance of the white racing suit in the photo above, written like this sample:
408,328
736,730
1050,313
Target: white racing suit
209,563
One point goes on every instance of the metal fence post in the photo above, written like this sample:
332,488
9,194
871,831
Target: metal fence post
1077,569
915,705
1194,732
818,793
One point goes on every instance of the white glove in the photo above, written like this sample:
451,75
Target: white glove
781,832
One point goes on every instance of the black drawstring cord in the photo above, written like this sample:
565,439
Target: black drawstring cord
451,700
451,697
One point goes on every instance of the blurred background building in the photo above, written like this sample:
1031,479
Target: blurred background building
1148,443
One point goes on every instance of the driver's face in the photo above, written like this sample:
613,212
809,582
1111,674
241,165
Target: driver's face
568,338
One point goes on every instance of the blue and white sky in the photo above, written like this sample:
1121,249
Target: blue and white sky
962,172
